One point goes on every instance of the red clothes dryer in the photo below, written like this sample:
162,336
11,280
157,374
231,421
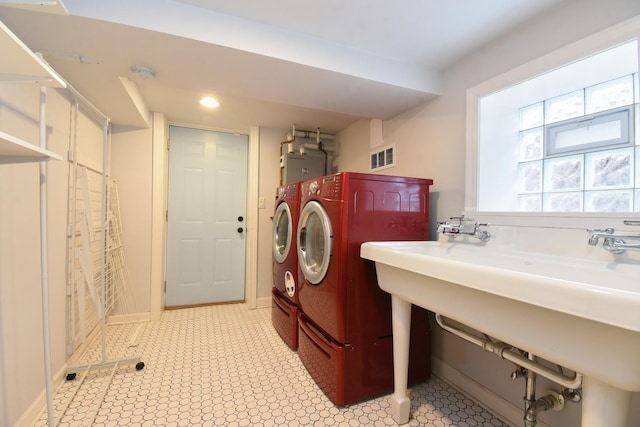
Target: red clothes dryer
345,331
284,302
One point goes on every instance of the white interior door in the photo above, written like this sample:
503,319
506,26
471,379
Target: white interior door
206,217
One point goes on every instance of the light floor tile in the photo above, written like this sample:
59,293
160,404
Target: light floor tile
225,365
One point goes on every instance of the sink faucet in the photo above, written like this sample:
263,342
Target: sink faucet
615,243
460,228
597,233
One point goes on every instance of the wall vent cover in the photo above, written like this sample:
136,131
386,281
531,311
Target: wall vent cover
383,158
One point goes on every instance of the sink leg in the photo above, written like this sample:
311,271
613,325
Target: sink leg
401,318
604,405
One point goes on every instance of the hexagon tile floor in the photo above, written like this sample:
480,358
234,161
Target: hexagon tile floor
226,366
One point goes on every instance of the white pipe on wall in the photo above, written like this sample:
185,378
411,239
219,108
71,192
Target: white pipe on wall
315,147
309,135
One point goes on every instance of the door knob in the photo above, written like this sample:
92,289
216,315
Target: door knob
240,229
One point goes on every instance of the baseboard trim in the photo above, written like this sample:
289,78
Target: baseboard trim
38,407
119,319
263,302
505,410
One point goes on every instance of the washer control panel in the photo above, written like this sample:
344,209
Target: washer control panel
327,187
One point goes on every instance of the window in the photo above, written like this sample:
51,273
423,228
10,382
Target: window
563,141
571,161
585,133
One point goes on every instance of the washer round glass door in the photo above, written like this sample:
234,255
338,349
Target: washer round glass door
315,240
282,232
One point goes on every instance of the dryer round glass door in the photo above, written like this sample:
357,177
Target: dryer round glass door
282,232
315,240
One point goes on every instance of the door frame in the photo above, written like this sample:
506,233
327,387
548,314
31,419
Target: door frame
160,178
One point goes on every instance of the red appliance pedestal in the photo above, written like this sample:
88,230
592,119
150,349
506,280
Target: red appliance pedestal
348,374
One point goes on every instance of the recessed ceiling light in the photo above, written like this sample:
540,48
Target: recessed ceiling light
209,102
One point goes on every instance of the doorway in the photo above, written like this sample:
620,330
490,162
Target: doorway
206,217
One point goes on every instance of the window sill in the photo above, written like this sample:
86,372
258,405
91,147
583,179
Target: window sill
580,220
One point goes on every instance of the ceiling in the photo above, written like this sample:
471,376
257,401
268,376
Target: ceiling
315,63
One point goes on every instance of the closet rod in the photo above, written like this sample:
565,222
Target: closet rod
78,95
87,103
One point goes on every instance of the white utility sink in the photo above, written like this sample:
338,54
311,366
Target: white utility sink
580,313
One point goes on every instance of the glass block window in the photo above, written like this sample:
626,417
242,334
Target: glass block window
637,162
608,95
530,203
564,107
637,115
609,201
610,169
580,152
532,116
530,177
531,144
563,202
563,174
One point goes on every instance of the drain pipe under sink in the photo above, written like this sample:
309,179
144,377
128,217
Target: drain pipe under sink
533,406
529,367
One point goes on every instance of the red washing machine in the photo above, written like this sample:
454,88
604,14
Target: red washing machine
345,332
285,302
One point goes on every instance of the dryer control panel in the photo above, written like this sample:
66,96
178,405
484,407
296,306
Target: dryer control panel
331,186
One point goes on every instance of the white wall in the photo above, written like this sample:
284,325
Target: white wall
21,333
353,148
269,179
131,156
430,142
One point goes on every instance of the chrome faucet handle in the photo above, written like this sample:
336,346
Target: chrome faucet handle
442,226
601,230
597,233
483,235
615,243
451,229
457,218
461,220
